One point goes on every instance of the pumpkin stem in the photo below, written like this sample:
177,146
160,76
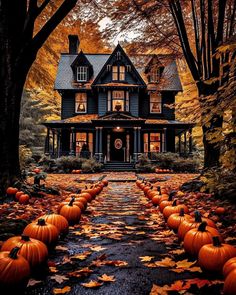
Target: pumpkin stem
25,238
202,226
79,191
198,217
13,253
174,203
216,241
159,189
181,212
71,201
41,221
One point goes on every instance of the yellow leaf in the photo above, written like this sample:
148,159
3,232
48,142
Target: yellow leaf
61,291
158,290
97,248
166,262
184,264
92,284
106,278
146,258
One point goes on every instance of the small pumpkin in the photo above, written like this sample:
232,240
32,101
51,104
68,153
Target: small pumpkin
34,251
212,257
105,182
174,208
45,232
88,194
58,220
71,212
24,199
197,237
11,191
175,219
229,266
220,210
14,269
188,224
230,283
165,200
18,194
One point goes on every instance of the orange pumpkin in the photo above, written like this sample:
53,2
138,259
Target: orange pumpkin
88,194
212,257
14,270
230,283
58,220
71,212
11,190
18,194
34,251
105,182
197,237
165,200
174,208
175,219
229,266
24,199
220,210
45,232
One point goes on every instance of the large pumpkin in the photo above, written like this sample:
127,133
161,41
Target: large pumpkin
175,219
11,190
34,251
212,257
14,270
197,237
45,232
230,283
174,208
59,221
188,224
76,202
71,212
88,194
165,200
229,266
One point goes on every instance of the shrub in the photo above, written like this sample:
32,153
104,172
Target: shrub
164,160
25,156
185,165
144,164
68,163
91,165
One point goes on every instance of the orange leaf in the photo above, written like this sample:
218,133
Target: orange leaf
61,291
106,278
92,284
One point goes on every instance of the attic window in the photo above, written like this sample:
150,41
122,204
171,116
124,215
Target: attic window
82,74
118,55
118,73
155,75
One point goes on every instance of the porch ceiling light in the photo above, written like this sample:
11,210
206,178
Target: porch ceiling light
118,127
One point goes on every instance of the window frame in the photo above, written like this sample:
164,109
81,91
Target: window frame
84,100
83,72
118,74
151,101
147,141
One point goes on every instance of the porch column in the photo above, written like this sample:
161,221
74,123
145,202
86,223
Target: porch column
96,146
127,147
58,143
139,140
72,142
53,143
100,145
135,144
108,147
190,142
46,147
179,144
165,140
185,143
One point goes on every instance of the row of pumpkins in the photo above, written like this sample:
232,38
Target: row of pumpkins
22,255
200,236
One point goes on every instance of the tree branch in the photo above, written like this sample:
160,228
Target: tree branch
232,21
221,20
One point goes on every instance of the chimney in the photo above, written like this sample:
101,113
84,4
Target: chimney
73,44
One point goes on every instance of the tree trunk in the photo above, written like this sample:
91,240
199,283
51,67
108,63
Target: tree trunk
211,150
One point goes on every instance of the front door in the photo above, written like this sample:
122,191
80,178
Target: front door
118,146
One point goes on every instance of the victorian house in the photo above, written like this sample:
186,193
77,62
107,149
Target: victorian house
115,106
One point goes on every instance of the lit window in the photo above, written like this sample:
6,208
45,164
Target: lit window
82,74
146,143
118,73
152,142
84,141
122,73
81,103
155,103
118,98
115,73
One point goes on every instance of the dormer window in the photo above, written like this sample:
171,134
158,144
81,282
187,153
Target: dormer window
155,75
118,73
82,74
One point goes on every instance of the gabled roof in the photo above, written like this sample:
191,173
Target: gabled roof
119,48
81,59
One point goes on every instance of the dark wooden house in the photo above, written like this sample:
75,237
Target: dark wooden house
115,106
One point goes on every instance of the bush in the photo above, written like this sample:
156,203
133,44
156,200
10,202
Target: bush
90,165
185,165
68,163
144,164
164,160
25,156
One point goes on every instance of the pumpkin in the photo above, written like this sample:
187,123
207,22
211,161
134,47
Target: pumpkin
14,269
11,190
45,232
34,251
18,194
175,219
165,200
188,224
212,257
156,199
229,266
220,210
105,182
138,182
24,199
174,208
88,194
230,283
197,237
71,212
37,170
58,220
77,202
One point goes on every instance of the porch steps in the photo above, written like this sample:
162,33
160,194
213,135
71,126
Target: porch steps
118,166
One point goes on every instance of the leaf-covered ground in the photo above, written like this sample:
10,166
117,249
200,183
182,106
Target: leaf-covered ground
122,244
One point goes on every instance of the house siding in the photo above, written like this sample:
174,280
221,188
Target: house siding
102,103
134,103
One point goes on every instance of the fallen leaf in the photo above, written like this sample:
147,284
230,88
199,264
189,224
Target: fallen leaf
184,264
166,262
33,282
61,248
178,251
61,291
106,278
53,269
59,278
81,256
146,258
158,290
97,248
92,284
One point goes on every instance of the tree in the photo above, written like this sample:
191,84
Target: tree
201,26
19,45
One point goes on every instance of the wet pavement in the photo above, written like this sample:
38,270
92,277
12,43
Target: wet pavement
117,232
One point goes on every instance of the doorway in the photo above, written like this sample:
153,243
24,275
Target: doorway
118,147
